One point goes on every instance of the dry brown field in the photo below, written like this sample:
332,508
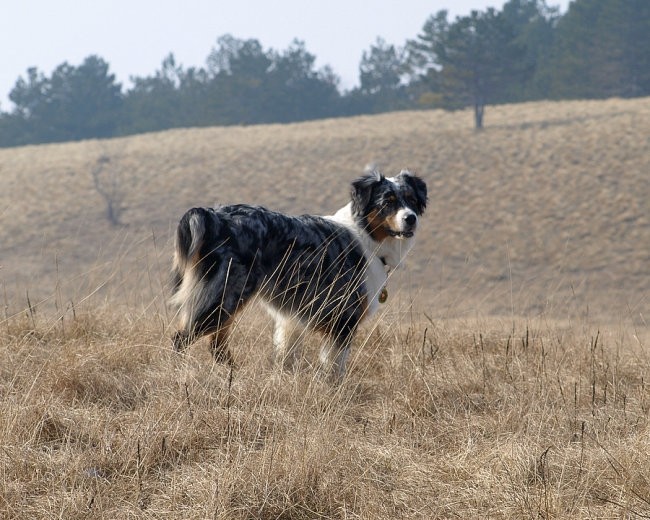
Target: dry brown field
506,377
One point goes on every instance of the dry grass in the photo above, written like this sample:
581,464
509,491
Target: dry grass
449,409
98,418
543,213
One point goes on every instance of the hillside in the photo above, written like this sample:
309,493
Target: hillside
503,381
544,213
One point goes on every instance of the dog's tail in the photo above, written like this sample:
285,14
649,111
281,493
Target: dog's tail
190,235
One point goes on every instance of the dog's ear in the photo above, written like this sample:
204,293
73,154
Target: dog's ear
362,191
419,187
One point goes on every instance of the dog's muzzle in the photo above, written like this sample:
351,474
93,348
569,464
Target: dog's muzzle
409,222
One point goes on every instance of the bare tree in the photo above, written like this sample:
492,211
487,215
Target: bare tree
108,183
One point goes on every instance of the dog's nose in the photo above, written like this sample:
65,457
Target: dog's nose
410,219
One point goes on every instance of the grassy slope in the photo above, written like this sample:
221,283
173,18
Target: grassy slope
544,216
544,212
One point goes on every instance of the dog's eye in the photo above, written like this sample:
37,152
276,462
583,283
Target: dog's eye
391,199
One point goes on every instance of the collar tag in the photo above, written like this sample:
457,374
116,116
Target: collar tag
383,295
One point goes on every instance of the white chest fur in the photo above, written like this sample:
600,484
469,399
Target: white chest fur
382,256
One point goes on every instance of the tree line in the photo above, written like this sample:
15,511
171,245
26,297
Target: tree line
525,51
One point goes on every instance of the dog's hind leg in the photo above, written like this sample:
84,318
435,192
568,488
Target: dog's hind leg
216,301
219,345
181,340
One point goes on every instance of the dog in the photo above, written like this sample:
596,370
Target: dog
322,273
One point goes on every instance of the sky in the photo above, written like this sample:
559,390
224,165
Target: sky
134,36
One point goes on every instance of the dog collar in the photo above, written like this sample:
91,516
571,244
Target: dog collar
383,294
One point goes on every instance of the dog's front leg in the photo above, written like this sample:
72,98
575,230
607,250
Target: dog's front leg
334,355
287,342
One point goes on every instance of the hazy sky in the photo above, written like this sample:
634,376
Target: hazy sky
134,36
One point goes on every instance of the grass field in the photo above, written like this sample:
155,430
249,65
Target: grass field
453,419
507,376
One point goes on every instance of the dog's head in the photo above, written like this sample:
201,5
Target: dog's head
389,208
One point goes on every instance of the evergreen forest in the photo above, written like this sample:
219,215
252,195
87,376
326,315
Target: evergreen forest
525,51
